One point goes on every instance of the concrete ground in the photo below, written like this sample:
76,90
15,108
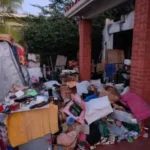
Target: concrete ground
140,144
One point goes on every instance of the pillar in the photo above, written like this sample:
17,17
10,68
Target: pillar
140,69
85,28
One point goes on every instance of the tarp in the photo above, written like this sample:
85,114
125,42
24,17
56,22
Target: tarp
9,70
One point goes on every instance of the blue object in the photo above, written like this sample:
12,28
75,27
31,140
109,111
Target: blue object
9,148
69,121
15,52
110,70
88,98
60,148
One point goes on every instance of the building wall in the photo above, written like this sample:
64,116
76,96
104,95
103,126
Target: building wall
12,26
107,38
112,27
127,24
140,69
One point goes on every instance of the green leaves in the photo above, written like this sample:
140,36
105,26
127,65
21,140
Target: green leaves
10,5
52,35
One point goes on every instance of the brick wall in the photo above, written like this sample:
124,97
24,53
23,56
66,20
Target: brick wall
140,70
85,27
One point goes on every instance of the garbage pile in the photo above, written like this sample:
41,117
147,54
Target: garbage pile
92,114
22,98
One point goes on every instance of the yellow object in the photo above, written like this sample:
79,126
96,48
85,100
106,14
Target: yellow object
25,126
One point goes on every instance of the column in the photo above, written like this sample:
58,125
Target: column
85,28
140,69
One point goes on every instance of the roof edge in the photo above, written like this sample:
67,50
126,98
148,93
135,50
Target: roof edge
77,7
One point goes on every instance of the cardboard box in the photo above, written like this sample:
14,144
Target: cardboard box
115,56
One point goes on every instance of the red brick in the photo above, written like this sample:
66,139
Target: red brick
85,27
140,70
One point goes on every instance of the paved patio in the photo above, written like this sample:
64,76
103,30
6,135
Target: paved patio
141,144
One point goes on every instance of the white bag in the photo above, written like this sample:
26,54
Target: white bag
50,84
82,87
123,116
35,74
97,84
97,109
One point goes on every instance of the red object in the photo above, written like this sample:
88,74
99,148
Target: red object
72,4
137,105
2,145
1,108
140,67
82,137
50,141
21,55
14,107
85,29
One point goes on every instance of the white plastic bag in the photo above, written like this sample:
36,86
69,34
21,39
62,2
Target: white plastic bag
97,109
97,84
50,84
123,116
82,87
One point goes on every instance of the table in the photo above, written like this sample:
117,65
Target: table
25,126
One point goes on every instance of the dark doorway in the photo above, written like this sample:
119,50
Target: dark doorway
123,40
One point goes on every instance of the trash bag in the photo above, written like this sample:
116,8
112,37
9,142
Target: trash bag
94,136
67,139
112,94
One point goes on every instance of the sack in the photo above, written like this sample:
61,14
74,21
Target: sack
97,84
82,87
123,116
97,109
112,94
94,136
68,139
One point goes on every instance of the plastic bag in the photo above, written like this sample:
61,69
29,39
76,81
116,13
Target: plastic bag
67,139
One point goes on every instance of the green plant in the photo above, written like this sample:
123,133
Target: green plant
52,35
10,5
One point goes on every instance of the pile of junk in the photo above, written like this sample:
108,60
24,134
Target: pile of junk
92,114
78,115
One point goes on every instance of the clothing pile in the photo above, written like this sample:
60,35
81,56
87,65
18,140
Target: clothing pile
92,114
